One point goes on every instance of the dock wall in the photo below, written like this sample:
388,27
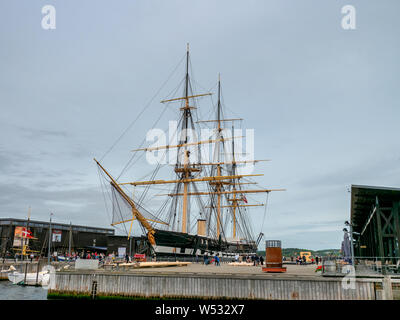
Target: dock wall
210,287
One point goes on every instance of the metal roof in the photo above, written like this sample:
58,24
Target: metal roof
55,225
363,199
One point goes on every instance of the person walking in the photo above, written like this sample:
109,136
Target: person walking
261,260
316,260
216,259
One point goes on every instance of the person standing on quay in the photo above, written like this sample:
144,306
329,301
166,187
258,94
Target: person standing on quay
216,259
205,258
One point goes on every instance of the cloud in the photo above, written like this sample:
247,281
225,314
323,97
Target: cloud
38,134
79,205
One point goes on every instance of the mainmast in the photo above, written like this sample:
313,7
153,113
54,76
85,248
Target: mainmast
186,171
219,136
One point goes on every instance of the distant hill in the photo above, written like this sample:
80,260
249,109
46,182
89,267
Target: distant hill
288,252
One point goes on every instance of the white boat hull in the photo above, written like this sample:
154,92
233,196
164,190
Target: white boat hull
31,278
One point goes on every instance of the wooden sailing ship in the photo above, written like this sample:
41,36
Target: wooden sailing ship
193,222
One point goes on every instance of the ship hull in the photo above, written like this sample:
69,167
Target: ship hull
170,243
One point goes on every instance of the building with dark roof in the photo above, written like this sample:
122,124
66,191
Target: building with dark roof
375,217
80,237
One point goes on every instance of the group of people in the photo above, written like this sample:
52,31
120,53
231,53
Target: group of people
93,255
214,259
302,260
255,259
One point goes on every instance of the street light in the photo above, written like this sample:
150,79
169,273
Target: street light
351,238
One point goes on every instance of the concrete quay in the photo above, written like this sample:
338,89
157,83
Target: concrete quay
197,281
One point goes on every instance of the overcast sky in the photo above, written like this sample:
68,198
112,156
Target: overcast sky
323,101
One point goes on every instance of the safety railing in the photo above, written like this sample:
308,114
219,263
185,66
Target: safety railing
363,266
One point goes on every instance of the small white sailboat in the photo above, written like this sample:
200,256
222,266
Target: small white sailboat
41,278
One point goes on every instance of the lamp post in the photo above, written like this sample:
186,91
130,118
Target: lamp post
351,239
48,254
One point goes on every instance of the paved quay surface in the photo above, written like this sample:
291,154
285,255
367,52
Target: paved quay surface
292,270
306,272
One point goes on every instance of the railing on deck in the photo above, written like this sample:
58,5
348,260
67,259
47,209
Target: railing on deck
364,266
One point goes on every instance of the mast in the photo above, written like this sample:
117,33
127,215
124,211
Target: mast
234,189
186,173
70,239
218,159
23,246
48,255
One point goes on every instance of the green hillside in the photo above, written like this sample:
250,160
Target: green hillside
288,252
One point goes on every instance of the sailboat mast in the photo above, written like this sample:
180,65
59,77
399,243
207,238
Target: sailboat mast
70,239
186,152
23,241
48,255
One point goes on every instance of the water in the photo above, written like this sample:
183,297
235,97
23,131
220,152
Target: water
9,291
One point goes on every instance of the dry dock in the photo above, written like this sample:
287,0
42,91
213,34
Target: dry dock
225,282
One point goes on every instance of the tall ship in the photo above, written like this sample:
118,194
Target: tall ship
204,209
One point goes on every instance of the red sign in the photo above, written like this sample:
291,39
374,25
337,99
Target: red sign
22,232
139,257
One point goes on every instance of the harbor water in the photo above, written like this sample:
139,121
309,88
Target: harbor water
9,291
